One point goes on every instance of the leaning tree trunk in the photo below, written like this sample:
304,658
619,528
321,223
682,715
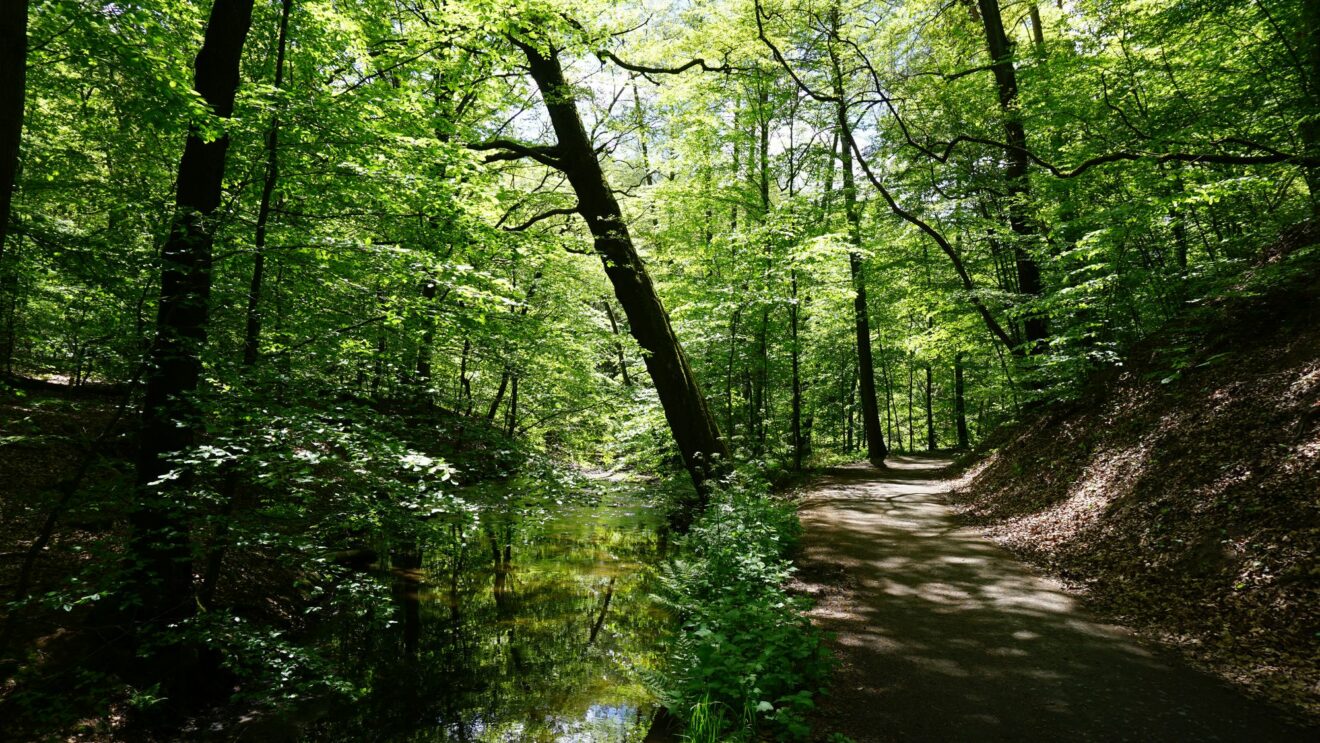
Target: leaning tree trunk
13,88
160,549
1035,325
694,429
876,451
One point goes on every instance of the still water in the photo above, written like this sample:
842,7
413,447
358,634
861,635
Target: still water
530,619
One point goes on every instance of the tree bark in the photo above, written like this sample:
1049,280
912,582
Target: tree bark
1037,26
252,336
890,407
464,405
729,422
499,396
511,416
931,443
760,393
794,318
428,338
876,451
510,371
618,345
1035,325
160,549
1310,126
13,92
912,426
960,401
695,431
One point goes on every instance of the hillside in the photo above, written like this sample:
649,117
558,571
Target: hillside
1181,493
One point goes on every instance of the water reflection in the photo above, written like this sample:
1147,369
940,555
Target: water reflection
530,621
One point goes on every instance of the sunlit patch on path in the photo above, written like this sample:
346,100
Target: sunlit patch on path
943,636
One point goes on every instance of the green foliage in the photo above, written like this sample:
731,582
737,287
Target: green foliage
746,658
433,317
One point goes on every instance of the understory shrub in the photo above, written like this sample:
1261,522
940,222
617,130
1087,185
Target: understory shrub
745,660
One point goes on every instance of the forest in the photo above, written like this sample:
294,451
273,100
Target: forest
621,370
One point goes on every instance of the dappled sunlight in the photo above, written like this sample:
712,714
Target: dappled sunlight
961,633
1110,473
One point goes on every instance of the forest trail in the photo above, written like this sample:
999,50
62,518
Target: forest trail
942,635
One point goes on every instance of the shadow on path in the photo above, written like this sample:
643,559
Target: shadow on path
943,636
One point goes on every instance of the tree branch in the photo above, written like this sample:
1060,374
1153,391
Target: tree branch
507,149
564,212
647,70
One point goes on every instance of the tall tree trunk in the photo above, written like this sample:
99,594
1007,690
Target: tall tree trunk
509,369
160,550
252,336
891,411
1310,126
618,345
1035,325
1178,221
13,92
875,442
760,393
960,401
1037,26
729,421
464,405
382,345
428,338
695,431
499,396
931,443
849,406
511,420
252,332
911,424
796,362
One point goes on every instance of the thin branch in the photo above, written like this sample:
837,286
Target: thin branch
949,77
779,57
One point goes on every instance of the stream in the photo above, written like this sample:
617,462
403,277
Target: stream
531,620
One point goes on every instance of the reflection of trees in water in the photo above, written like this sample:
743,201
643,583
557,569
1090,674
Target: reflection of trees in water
518,623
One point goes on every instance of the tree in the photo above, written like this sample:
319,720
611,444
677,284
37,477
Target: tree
876,451
695,431
161,546
13,90
1018,189
1310,125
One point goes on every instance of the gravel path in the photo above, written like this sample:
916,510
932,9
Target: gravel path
943,636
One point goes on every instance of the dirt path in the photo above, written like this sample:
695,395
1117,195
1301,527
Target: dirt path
943,636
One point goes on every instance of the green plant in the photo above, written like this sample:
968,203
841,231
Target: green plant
745,659
144,699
